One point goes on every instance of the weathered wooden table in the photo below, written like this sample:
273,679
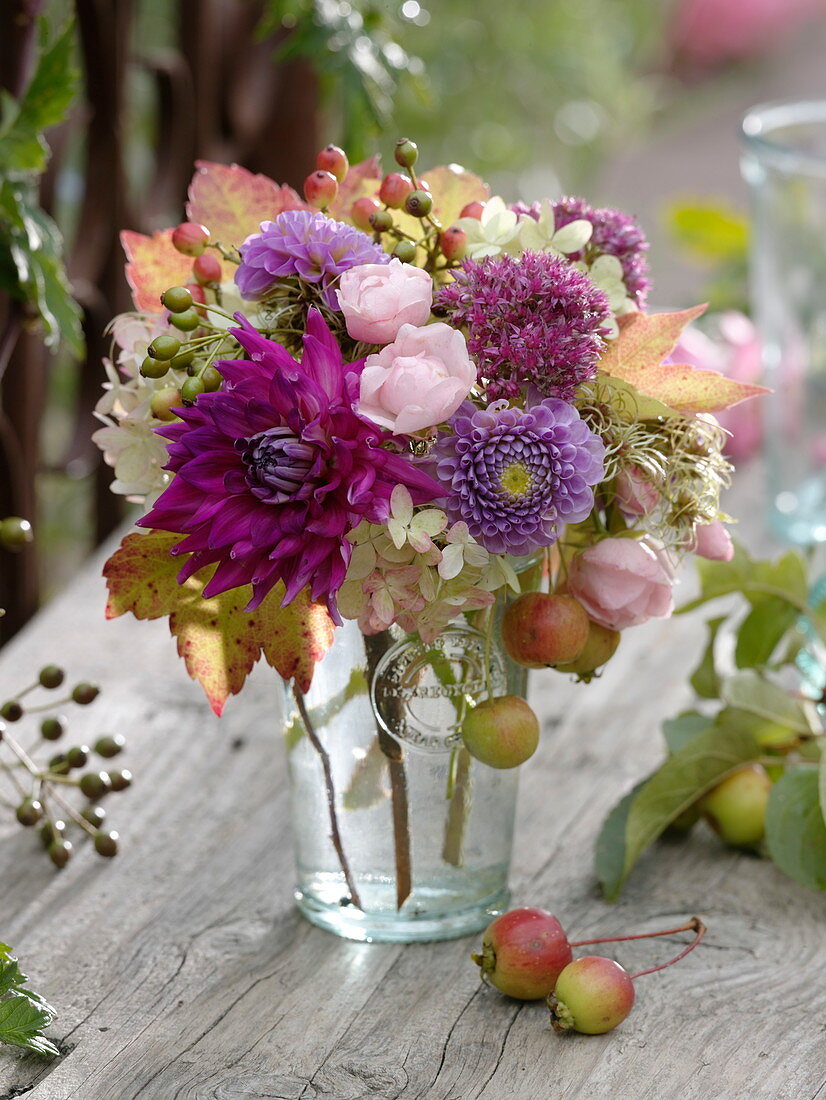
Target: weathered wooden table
181,969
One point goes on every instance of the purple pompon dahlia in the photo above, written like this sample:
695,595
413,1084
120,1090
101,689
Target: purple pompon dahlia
518,476
533,320
306,244
273,471
615,234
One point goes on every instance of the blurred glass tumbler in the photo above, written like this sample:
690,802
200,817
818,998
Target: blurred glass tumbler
784,163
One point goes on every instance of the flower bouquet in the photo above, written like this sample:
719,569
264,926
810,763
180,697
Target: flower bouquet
405,440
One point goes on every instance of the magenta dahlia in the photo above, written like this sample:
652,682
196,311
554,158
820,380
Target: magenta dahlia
532,320
274,470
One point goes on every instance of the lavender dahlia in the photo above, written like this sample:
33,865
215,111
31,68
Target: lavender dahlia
306,244
518,476
615,234
533,320
276,469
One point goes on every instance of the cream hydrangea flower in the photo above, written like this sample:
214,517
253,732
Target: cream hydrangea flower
496,231
542,235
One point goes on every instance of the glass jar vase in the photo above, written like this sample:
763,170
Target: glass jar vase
400,835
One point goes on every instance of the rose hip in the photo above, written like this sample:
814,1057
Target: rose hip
190,238
333,160
320,188
360,213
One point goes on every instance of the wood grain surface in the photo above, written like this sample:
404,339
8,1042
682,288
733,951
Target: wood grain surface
181,969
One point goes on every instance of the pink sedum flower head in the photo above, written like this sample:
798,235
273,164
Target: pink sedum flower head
621,583
377,299
274,470
712,541
418,381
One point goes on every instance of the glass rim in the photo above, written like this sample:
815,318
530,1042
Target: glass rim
760,122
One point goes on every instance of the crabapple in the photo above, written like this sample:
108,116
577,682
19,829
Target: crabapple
501,732
523,953
591,995
539,630
599,647
736,808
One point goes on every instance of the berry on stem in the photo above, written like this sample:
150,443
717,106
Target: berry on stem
207,269
176,299
191,390
394,190
29,812
190,238
164,347
405,251
154,368
523,953
187,321
320,189
381,221
11,711
95,784
60,852
164,402
106,844
52,729
453,243
501,732
360,213
51,676
111,745
406,152
120,778
333,160
418,204
473,210
85,693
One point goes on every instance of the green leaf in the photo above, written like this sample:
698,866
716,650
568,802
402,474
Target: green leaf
750,691
609,852
684,728
686,776
35,246
43,104
785,578
765,730
21,1022
710,231
704,678
762,630
795,829
23,1013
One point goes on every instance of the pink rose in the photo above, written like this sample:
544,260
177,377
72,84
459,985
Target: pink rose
620,583
377,299
418,381
712,540
636,496
712,32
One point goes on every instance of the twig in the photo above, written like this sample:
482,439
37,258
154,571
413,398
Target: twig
335,834
376,645
458,810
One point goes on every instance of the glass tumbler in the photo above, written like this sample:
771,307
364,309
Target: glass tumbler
784,162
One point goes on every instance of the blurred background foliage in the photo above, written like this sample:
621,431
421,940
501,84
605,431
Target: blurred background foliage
539,97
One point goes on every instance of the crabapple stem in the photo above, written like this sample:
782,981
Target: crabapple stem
689,926
697,926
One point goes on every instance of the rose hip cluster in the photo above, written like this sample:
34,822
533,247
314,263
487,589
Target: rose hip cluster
527,955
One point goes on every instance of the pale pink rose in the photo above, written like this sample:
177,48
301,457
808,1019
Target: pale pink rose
620,583
418,381
636,496
377,299
712,541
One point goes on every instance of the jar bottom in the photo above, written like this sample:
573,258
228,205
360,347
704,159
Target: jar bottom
433,911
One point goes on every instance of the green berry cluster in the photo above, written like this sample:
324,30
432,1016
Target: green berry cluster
405,192
43,793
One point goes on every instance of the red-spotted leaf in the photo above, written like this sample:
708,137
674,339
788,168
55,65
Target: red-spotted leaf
636,357
232,202
152,266
218,640
362,180
142,576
